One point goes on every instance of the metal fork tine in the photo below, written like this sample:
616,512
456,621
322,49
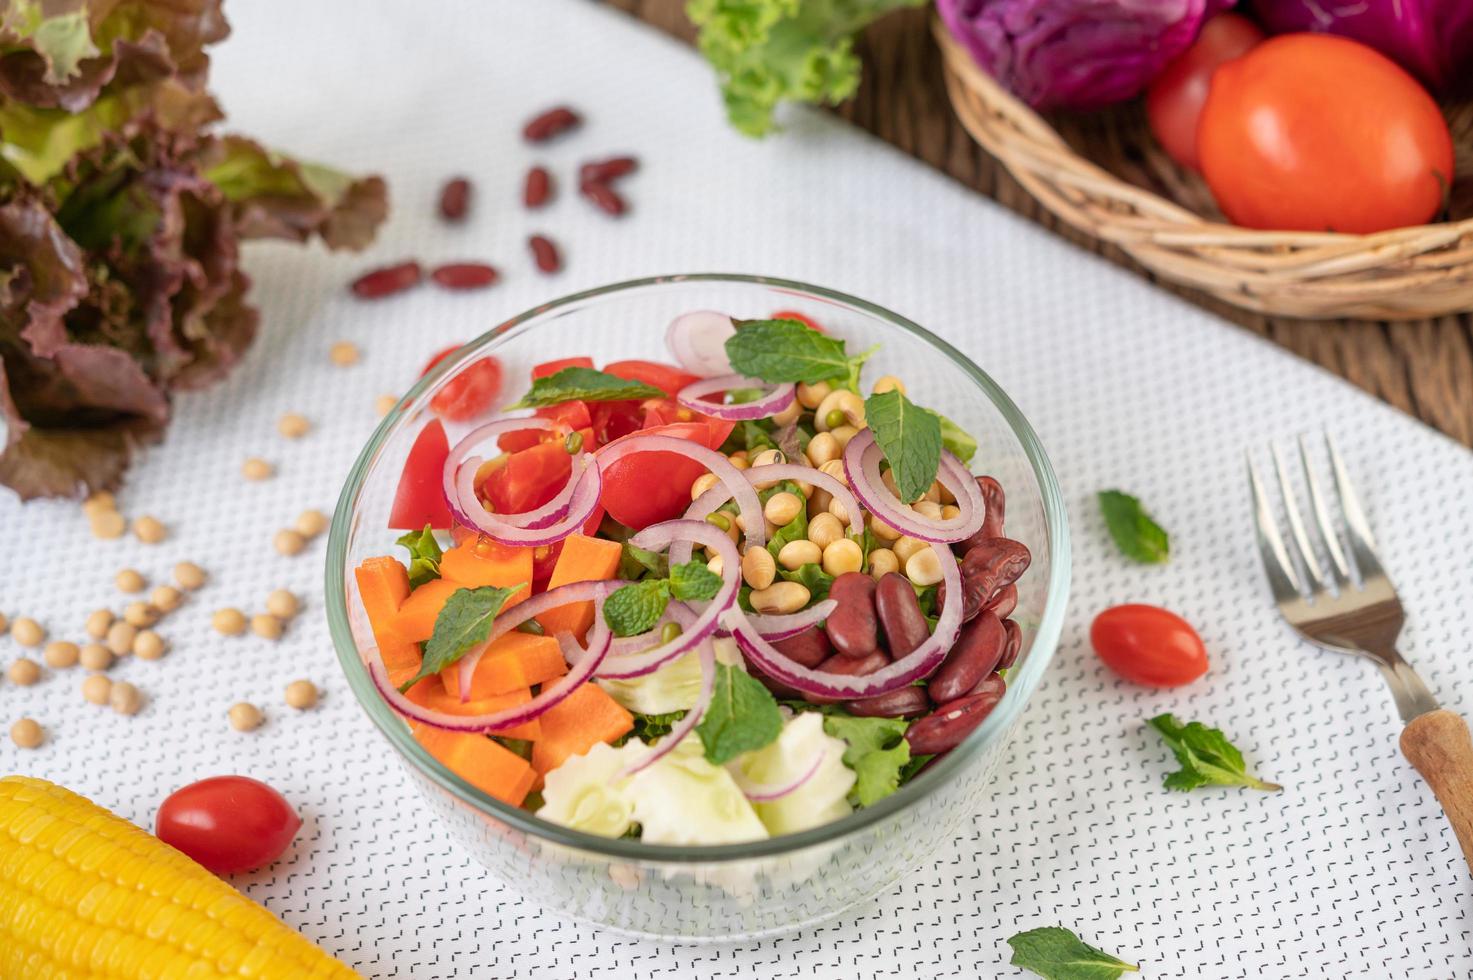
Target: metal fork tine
1322,516
1282,578
1362,541
1297,535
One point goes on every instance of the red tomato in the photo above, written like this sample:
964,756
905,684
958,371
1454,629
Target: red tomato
430,364
807,321
420,499
528,479
573,415
553,367
1148,645
228,823
612,420
666,377
1174,100
1309,132
470,392
647,488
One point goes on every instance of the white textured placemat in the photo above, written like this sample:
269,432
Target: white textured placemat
1349,872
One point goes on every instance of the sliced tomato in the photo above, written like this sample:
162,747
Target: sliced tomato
528,479
572,414
614,420
420,499
471,392
437,358
662,411
807,321
553,367
647,488
666,377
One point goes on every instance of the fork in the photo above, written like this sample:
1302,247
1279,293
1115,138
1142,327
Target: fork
1351,607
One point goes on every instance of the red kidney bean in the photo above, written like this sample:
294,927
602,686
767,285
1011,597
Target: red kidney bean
545,253
808,649
387,281
995,508
851,626
537,189
973,656
603,171
465,275
777,687
900,614
1014,646
455,199
986,568
553,122
1004,602
908,702
605,197
946,727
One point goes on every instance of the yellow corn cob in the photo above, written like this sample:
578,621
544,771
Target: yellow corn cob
84,893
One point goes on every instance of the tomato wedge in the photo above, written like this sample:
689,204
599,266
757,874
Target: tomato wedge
647,488
572,414
469,393
420,499
528,479
437,358
553,367
666,377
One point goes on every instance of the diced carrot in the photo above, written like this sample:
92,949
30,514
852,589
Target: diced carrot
491,768
576,724
383,586
515,661
480,561
436,698
583,559
416,618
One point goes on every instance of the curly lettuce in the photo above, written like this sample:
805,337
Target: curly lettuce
767,52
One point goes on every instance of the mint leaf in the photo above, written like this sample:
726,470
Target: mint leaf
464,621
636,608
742,717
780,351
583,384
910,437
637,561
647,728
1055,953
956,440
694,582
877,752
1135,533
1207,758
424,556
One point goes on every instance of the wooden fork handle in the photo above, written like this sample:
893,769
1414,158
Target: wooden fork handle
1439,746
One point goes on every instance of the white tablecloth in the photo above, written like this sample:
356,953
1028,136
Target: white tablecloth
1351,871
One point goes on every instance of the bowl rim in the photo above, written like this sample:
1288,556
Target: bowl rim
1020,689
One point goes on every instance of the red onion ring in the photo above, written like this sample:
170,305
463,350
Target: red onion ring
862,468
511,618
551,695
707,654
780,627
778,397
917,664
625,646
658,536
753,524
698,341
767,792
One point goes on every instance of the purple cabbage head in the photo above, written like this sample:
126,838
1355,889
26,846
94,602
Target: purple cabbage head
1432,39
1077,54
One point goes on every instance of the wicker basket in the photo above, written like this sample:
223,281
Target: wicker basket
1130,194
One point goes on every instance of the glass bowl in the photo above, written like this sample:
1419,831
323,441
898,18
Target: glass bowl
726,892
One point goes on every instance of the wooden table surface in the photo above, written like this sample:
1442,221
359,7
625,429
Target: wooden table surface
1424,367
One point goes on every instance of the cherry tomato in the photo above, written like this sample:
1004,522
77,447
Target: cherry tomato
228,824
647,488
1148,645
666,377
528,479
437,358
420,499
807,321
553,367
1310,132
1174,100
470,392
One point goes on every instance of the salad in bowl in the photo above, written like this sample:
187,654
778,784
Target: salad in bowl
733,593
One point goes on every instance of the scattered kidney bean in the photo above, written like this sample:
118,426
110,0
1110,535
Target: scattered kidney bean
900,614
946,727
995,507
603,171
908,702
605,197
455,199
545,253
465,275
808,649
987,567
851,627
537,189
973,656
1014,646
1004,602
545,125
387,281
